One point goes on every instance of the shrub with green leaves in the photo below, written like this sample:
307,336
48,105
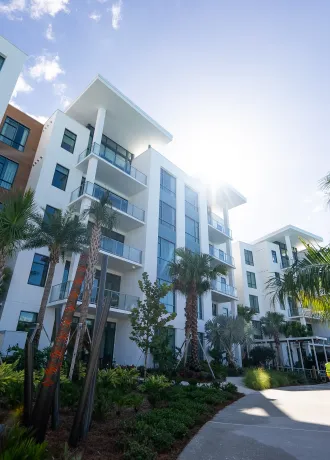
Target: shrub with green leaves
263,379
16,443
137,451
125,378
229,387
155,386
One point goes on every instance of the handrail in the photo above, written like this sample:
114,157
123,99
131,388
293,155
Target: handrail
221,255
217,223
120,249
224,288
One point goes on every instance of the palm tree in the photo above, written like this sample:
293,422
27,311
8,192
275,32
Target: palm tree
15,216
42,407
60,233
192,275
272,325
223,332
104,218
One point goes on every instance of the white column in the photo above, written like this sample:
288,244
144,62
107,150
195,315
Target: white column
289,248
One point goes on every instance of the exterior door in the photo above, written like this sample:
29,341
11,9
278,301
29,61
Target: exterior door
107,346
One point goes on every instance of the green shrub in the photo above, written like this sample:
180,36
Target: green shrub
9,375
155,387
230,387
137,451
16,443
125,378
261,355
103,403
257,379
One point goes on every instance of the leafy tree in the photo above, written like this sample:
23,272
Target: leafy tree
60,232
149,316
223,332
192,275
272,325
15,217
245,312
162,352
295,329
260,355
103,218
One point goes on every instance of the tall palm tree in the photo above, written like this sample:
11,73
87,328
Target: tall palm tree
223,332
15,217
103,218
192,275
60,233
272,325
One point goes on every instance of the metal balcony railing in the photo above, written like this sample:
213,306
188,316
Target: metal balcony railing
117,202
120,249
115,159
218,224
220,255
224,288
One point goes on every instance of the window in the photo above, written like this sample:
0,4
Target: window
214,309
278,278
68,141
49,211
199,308
60,177
192,229
167,182
257,331
274,257
169,299
14,134
26,321
293,308
39,270
166,215
225,311
191,198
254,303
248,257
251,280
2,60
8,170
165,254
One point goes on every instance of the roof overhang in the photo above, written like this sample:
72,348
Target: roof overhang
225,194
295,234
125,122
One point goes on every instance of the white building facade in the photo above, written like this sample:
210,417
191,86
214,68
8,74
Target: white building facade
11,63
104,142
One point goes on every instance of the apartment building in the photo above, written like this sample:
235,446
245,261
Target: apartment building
257,261
105,142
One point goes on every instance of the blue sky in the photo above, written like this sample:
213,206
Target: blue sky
242,85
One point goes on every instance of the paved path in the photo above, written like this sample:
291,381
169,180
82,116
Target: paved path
283,424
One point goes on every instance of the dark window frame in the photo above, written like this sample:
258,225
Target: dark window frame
48,207
163,172
251,280
23,326
162,281
214,309
9,141
60,172
2,61
195,203
72,136
162,204
196,226
7,160
274,256
44,272
254,304
248,257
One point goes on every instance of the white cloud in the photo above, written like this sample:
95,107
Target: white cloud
46,68
14,104
39,118
102,1
11,8
22,86
116,14
59,90
95,16
50,33
65,101
40,7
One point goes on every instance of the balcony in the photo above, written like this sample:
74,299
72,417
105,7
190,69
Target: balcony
220,256
113,169
59,294
126,256
218,233
286,263
222,292
129,215
299,312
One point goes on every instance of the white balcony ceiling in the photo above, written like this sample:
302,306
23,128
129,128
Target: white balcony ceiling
125,122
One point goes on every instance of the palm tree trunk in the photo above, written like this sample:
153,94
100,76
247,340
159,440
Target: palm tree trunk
45,297
278,352
42,407
89,278
194,331
187,329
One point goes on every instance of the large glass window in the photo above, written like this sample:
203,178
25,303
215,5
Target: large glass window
257,331
2,60
192,229
8,170
251,280
165,254
167,215
248,255
169,299
199,308
167,182
60,178
274,257
68,141
26,321
39,269
14,134
191,197
214,309
254,303
49,211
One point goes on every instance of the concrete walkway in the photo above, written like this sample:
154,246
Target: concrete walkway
283,424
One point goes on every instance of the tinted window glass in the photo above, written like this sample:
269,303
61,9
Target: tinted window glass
60,178
68,141
39,270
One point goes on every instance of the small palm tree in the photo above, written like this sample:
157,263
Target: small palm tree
60,233
272,325
15,217
223,332
192,275
103,218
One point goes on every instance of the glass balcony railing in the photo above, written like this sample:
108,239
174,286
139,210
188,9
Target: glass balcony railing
220,255
118,300
218,224
224,288
120,249
115,159
116,201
